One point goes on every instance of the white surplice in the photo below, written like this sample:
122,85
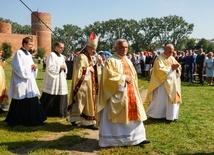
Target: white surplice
55,80
23,83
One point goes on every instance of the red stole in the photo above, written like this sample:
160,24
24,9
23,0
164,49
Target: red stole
132,107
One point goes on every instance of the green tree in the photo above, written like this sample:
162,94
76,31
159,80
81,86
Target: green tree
5,20
190,44
7,48
203,43
19,29
70,35
210,48
111,30
175,30
148,32
40,52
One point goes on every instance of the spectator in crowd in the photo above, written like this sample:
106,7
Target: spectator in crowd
209,65
154,56
175,55
194,65
120,111
133,59
54,90
84,87
25,108
142,63
200,61
44,63
181,60
137,64
148,61
4,101
189,66
164,92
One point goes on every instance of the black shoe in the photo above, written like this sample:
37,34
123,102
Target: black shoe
74,124
1,110
144,142
92,127
170,121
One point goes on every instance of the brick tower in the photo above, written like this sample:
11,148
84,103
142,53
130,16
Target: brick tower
5,27
42,32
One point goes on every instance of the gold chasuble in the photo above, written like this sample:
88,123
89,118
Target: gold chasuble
177,96
4,100
160,73
122,99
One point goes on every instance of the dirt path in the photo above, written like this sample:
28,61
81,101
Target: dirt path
88,147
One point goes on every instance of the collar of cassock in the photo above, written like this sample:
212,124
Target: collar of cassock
57,53
24,50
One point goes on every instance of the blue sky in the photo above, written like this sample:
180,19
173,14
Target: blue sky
85,12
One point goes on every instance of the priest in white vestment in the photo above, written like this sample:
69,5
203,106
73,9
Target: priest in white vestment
164,91
25,108
120,111
54,91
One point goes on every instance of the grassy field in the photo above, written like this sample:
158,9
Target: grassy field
192,134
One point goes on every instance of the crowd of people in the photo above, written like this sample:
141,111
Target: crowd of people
113,104
143,62
196,65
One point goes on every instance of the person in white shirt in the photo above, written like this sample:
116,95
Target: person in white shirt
25,108
54,91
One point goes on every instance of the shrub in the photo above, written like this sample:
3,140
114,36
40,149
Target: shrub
41,52
7,48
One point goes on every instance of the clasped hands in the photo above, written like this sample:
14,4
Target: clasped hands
91,67
3,64
128,79
175,66
34,67
99,60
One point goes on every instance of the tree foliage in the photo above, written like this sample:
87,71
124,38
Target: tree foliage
145,34
40,52
70,35
190,44
7,48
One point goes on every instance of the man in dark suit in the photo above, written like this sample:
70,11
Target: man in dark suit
142,63
200,59
189,64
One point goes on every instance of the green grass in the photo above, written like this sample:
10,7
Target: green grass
192,134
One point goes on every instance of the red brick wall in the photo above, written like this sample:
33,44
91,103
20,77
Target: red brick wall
16,40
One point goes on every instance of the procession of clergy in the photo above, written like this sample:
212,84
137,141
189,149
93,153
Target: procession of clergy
111,104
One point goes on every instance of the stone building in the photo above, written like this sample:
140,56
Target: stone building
40,32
